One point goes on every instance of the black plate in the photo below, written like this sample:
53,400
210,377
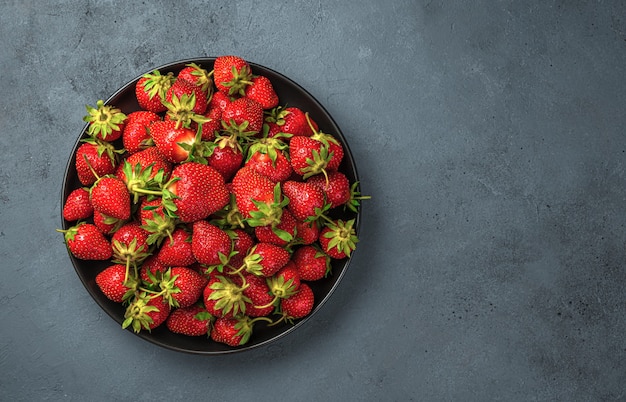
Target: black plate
289,93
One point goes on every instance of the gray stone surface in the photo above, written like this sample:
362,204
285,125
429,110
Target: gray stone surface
490,134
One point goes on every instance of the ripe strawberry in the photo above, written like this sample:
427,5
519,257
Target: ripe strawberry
190,321
199,190
197,75
110,196
113,283
300,304
150,90
151,268
285,283
335,185
258,199
77,205
185,96
146,312
227,330
243,116
94,156
224,297
106,122
289,120
261,299
262,91
226,157
130,244
308,156
182,286
210,245
265,259
154,219
312,263
86,242
242,243
174,143
306,201
231,74
107,224
176,250
280,234
267,156
219,100
338,238
307,232
213,124
136,137
150,162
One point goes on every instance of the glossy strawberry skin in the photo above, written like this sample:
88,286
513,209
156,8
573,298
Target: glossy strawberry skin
177,250
93,156
110,196
191,321
190,283
312,264
167,137
77,205
182,87
223,68
224,331
244,110
306,201
336,189
86,242
262,91
299,305
250,186
208,242
110,281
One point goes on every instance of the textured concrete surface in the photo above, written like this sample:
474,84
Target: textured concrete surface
490,134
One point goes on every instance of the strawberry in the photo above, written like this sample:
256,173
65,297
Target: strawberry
151,269
258,199
308,156
268,157
307,232
94,159
136,137
285,283
146,312
231,74
289,120
77,205
150,90
306,201
243,116
181,286
184,101
335,185
338,238
224,297
210,245
190,321
242,243
197,75
107,224
106,122
226,157
312,264
280,234
300,304
199,191
262,91
176,250
265,259
219,100
213,124
86,242
261,300
159,224
130,244
140,168
174,143
113,283
110,196
234,331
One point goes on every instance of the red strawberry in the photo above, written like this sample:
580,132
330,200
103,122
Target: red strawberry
159,224
312,264
258,199
219,100
174,143
147,158
280,234
242,243
185,96
199,190
300,304
152,268
307,232
94,156
176,251
224,297
130,244
106,122
150,90
262,91
146,312
243,116
261,300
338,238
182,286
210,245
290,120
308,156
77,205
197,75
213,125
106,224
226,157
267,158
231,74
86,242
190,321
110,196
335,186
226,330
286,282
113,283
136,137
306,201
265,259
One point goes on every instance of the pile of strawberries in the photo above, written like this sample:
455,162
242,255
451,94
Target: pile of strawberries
212,204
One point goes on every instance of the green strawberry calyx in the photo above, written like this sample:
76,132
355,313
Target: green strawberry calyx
103,119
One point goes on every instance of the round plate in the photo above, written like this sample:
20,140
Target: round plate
291,94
